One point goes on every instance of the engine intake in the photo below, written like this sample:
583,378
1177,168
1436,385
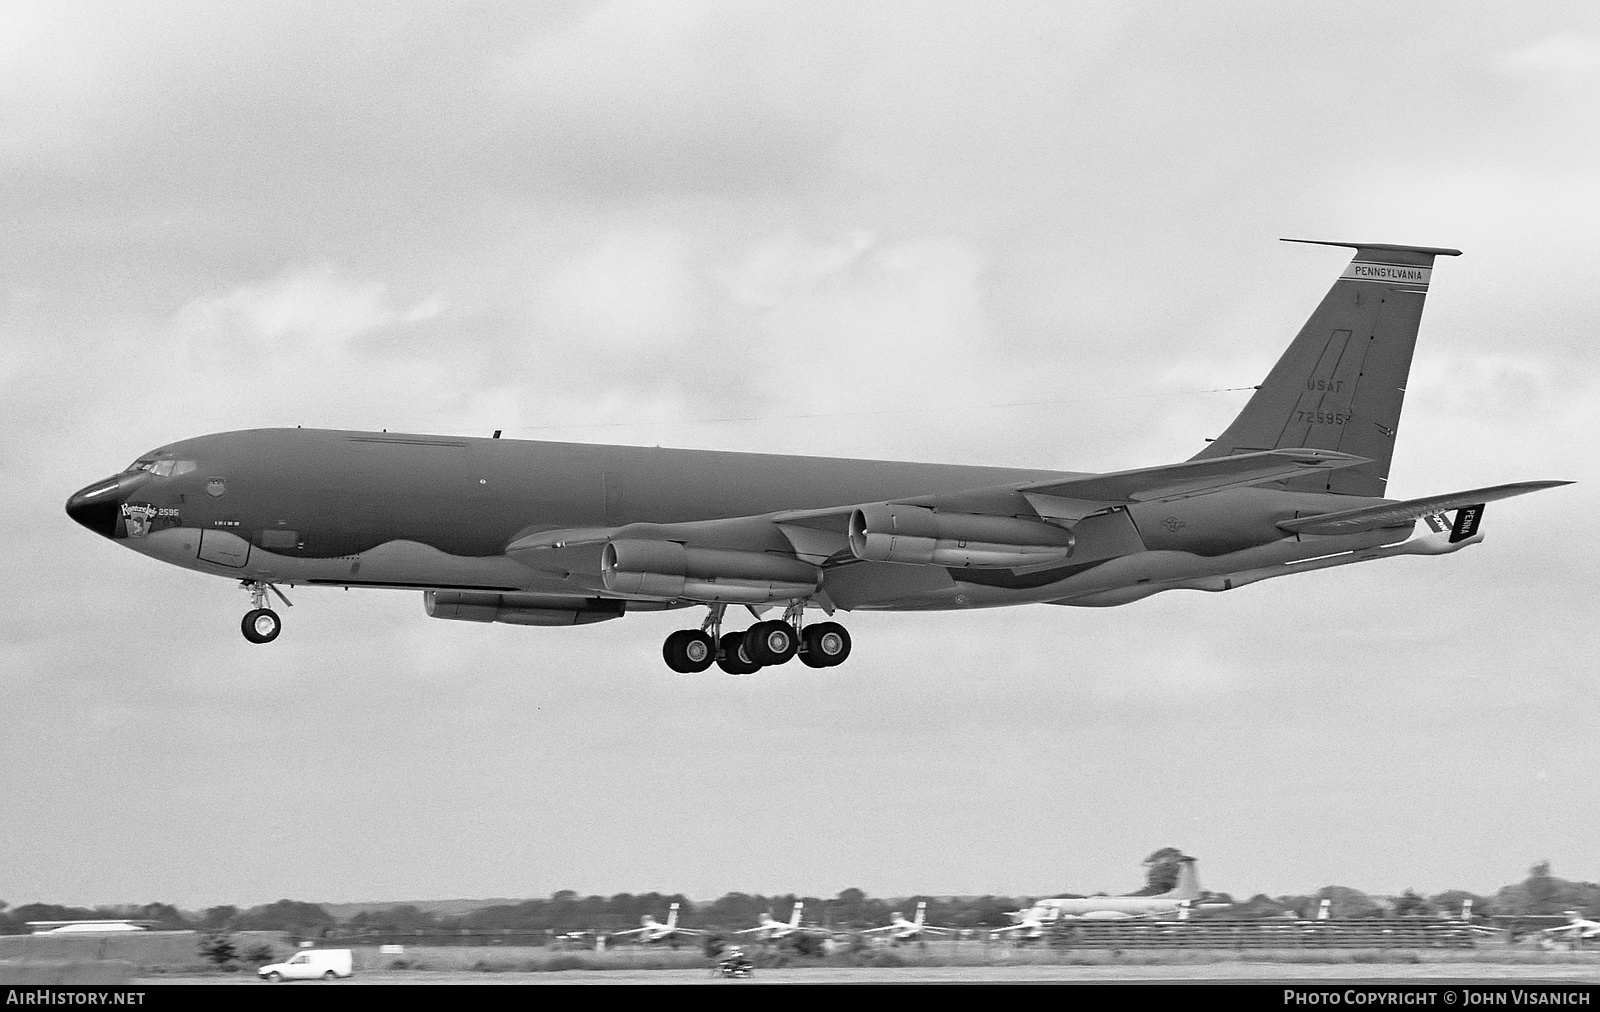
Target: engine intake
916,535
671,571
519,609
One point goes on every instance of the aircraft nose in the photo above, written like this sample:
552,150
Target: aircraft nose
95,506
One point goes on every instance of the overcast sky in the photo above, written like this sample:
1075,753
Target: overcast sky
1011,234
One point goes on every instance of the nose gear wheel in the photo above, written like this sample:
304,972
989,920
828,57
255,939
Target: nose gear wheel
261,624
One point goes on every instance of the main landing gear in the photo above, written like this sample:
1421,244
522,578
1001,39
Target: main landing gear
762,645
261,624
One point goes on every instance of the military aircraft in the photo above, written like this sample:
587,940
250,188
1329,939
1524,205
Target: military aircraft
559,534
651,931
1576,931
772,930
1177,901
901,930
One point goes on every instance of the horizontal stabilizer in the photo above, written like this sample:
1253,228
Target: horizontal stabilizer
1393,514
1383,247
1196,477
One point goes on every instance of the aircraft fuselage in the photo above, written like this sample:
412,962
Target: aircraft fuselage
364,509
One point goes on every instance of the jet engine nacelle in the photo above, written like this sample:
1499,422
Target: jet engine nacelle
914,534
672,571
518,609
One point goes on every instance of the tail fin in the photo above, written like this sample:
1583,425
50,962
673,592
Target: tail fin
1341,383
922,911
794,918
672,916
1188,885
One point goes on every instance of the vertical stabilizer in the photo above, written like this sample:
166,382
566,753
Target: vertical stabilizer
1188,887
672,916
1341,383
922,911
794,918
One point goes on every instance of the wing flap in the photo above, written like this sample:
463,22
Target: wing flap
1393,514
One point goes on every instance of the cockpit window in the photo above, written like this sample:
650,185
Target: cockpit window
162,468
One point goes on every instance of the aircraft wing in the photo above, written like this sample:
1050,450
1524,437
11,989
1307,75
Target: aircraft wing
1073,498
818,536
624,934
1369,518
1587,929
1196,477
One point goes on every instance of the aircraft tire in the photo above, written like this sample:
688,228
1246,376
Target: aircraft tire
826,644
689,650
732,658
261,625
672,652
769,643
699,650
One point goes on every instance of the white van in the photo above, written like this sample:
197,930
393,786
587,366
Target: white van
309,964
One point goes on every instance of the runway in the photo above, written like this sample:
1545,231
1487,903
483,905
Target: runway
1451,973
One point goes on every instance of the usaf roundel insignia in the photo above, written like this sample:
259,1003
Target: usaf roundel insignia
215,487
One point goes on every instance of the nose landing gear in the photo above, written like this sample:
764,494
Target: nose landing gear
261,624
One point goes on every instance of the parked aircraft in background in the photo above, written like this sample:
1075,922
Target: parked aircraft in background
560,534
771,930
651,930
1577,930
1029,927
901,930
1177,900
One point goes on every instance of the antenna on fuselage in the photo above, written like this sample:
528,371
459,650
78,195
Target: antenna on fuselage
496,434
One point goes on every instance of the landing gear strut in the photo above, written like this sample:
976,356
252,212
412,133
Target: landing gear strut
764,644
261,624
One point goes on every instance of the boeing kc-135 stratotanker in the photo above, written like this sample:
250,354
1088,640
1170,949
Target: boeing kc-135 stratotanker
553,534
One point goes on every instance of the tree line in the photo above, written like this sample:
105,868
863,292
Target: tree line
1541,893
